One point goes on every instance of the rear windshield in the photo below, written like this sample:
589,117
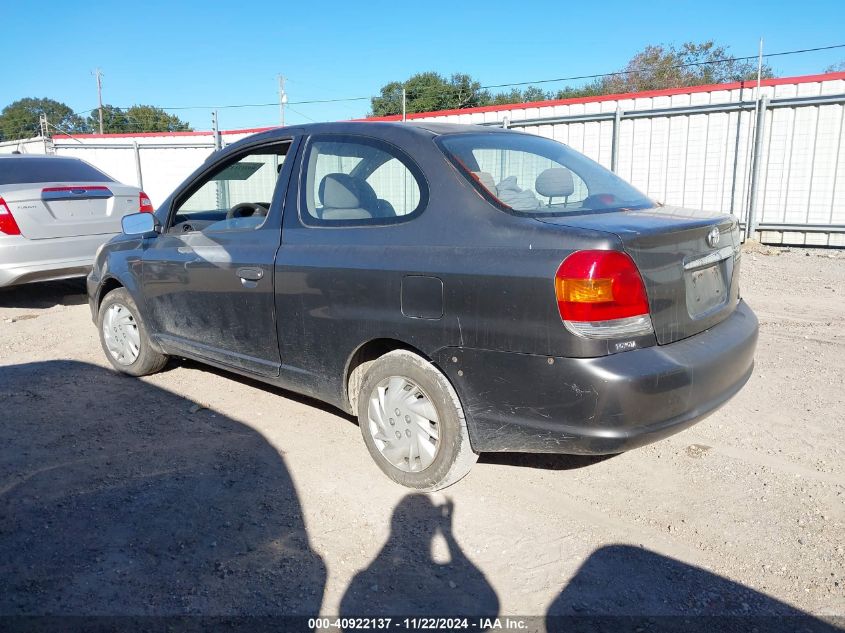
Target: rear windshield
20,170
535,176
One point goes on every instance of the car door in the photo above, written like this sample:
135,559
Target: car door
208,277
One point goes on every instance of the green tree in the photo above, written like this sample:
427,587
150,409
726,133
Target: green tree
836,68
515,95
147,118
429,91
659,67
138,118
114,120
21,119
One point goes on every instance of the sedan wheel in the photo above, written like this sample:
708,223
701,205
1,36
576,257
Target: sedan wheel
124,337
404,424
120,333
412,421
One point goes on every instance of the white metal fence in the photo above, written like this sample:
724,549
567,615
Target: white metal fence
780,167
157,163
698,148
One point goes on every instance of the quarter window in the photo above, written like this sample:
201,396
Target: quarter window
358,180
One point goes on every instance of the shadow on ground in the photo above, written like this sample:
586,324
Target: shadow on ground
542,461
626,588
260,384
68,292
153,511
404,579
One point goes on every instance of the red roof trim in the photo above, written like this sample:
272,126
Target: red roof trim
777,81
134,135
253,130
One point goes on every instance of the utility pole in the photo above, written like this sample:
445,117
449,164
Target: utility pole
404,106
99,75
221,186
283,99
215,131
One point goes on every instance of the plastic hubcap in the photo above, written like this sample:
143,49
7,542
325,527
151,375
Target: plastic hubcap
404,424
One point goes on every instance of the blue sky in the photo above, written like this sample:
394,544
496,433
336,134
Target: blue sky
203,53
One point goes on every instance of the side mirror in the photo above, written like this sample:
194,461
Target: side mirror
142,224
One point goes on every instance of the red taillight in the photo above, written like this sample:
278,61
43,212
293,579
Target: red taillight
144,203
602,286
8,226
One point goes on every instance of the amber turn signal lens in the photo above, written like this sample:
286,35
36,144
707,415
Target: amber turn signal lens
585,290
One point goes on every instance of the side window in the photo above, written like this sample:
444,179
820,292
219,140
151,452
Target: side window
512,176
357,181
236,196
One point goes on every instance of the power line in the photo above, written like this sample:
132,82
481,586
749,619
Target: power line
676,66
437,89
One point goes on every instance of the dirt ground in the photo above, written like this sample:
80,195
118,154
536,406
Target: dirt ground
123,496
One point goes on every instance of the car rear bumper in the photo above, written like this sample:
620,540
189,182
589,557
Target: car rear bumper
23,260
529,403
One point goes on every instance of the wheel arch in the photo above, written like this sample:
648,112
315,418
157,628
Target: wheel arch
108,284
362,357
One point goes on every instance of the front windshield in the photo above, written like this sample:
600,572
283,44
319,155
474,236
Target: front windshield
536,176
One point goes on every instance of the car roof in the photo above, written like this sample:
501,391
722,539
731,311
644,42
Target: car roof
36,157
432,127
427,129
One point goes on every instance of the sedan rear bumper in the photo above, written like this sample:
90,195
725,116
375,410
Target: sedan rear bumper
23,260
529,403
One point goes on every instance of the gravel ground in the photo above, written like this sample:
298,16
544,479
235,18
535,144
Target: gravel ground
198,492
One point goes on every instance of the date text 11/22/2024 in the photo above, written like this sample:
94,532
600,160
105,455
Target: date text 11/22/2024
419,623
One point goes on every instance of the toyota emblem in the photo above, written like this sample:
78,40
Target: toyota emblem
713,237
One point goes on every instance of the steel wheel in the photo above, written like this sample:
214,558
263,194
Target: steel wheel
120,333
404,424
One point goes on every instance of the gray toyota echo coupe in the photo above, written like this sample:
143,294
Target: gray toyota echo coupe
460,289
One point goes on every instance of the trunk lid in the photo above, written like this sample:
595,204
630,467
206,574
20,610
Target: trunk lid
61,209
692,283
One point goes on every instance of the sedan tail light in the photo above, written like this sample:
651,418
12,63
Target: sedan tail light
8,226
145,205
600,294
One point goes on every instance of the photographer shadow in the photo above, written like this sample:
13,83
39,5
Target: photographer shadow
118,498
405,580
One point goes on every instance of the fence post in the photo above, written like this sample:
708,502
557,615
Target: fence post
138,173
614,147
756,159
736,157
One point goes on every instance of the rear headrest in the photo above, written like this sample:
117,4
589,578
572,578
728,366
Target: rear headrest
339,191
555,182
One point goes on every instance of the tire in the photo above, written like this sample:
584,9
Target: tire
118,321
401,445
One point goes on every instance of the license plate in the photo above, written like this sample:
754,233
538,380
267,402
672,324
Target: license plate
705,289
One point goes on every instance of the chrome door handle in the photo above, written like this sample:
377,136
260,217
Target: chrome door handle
250,274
